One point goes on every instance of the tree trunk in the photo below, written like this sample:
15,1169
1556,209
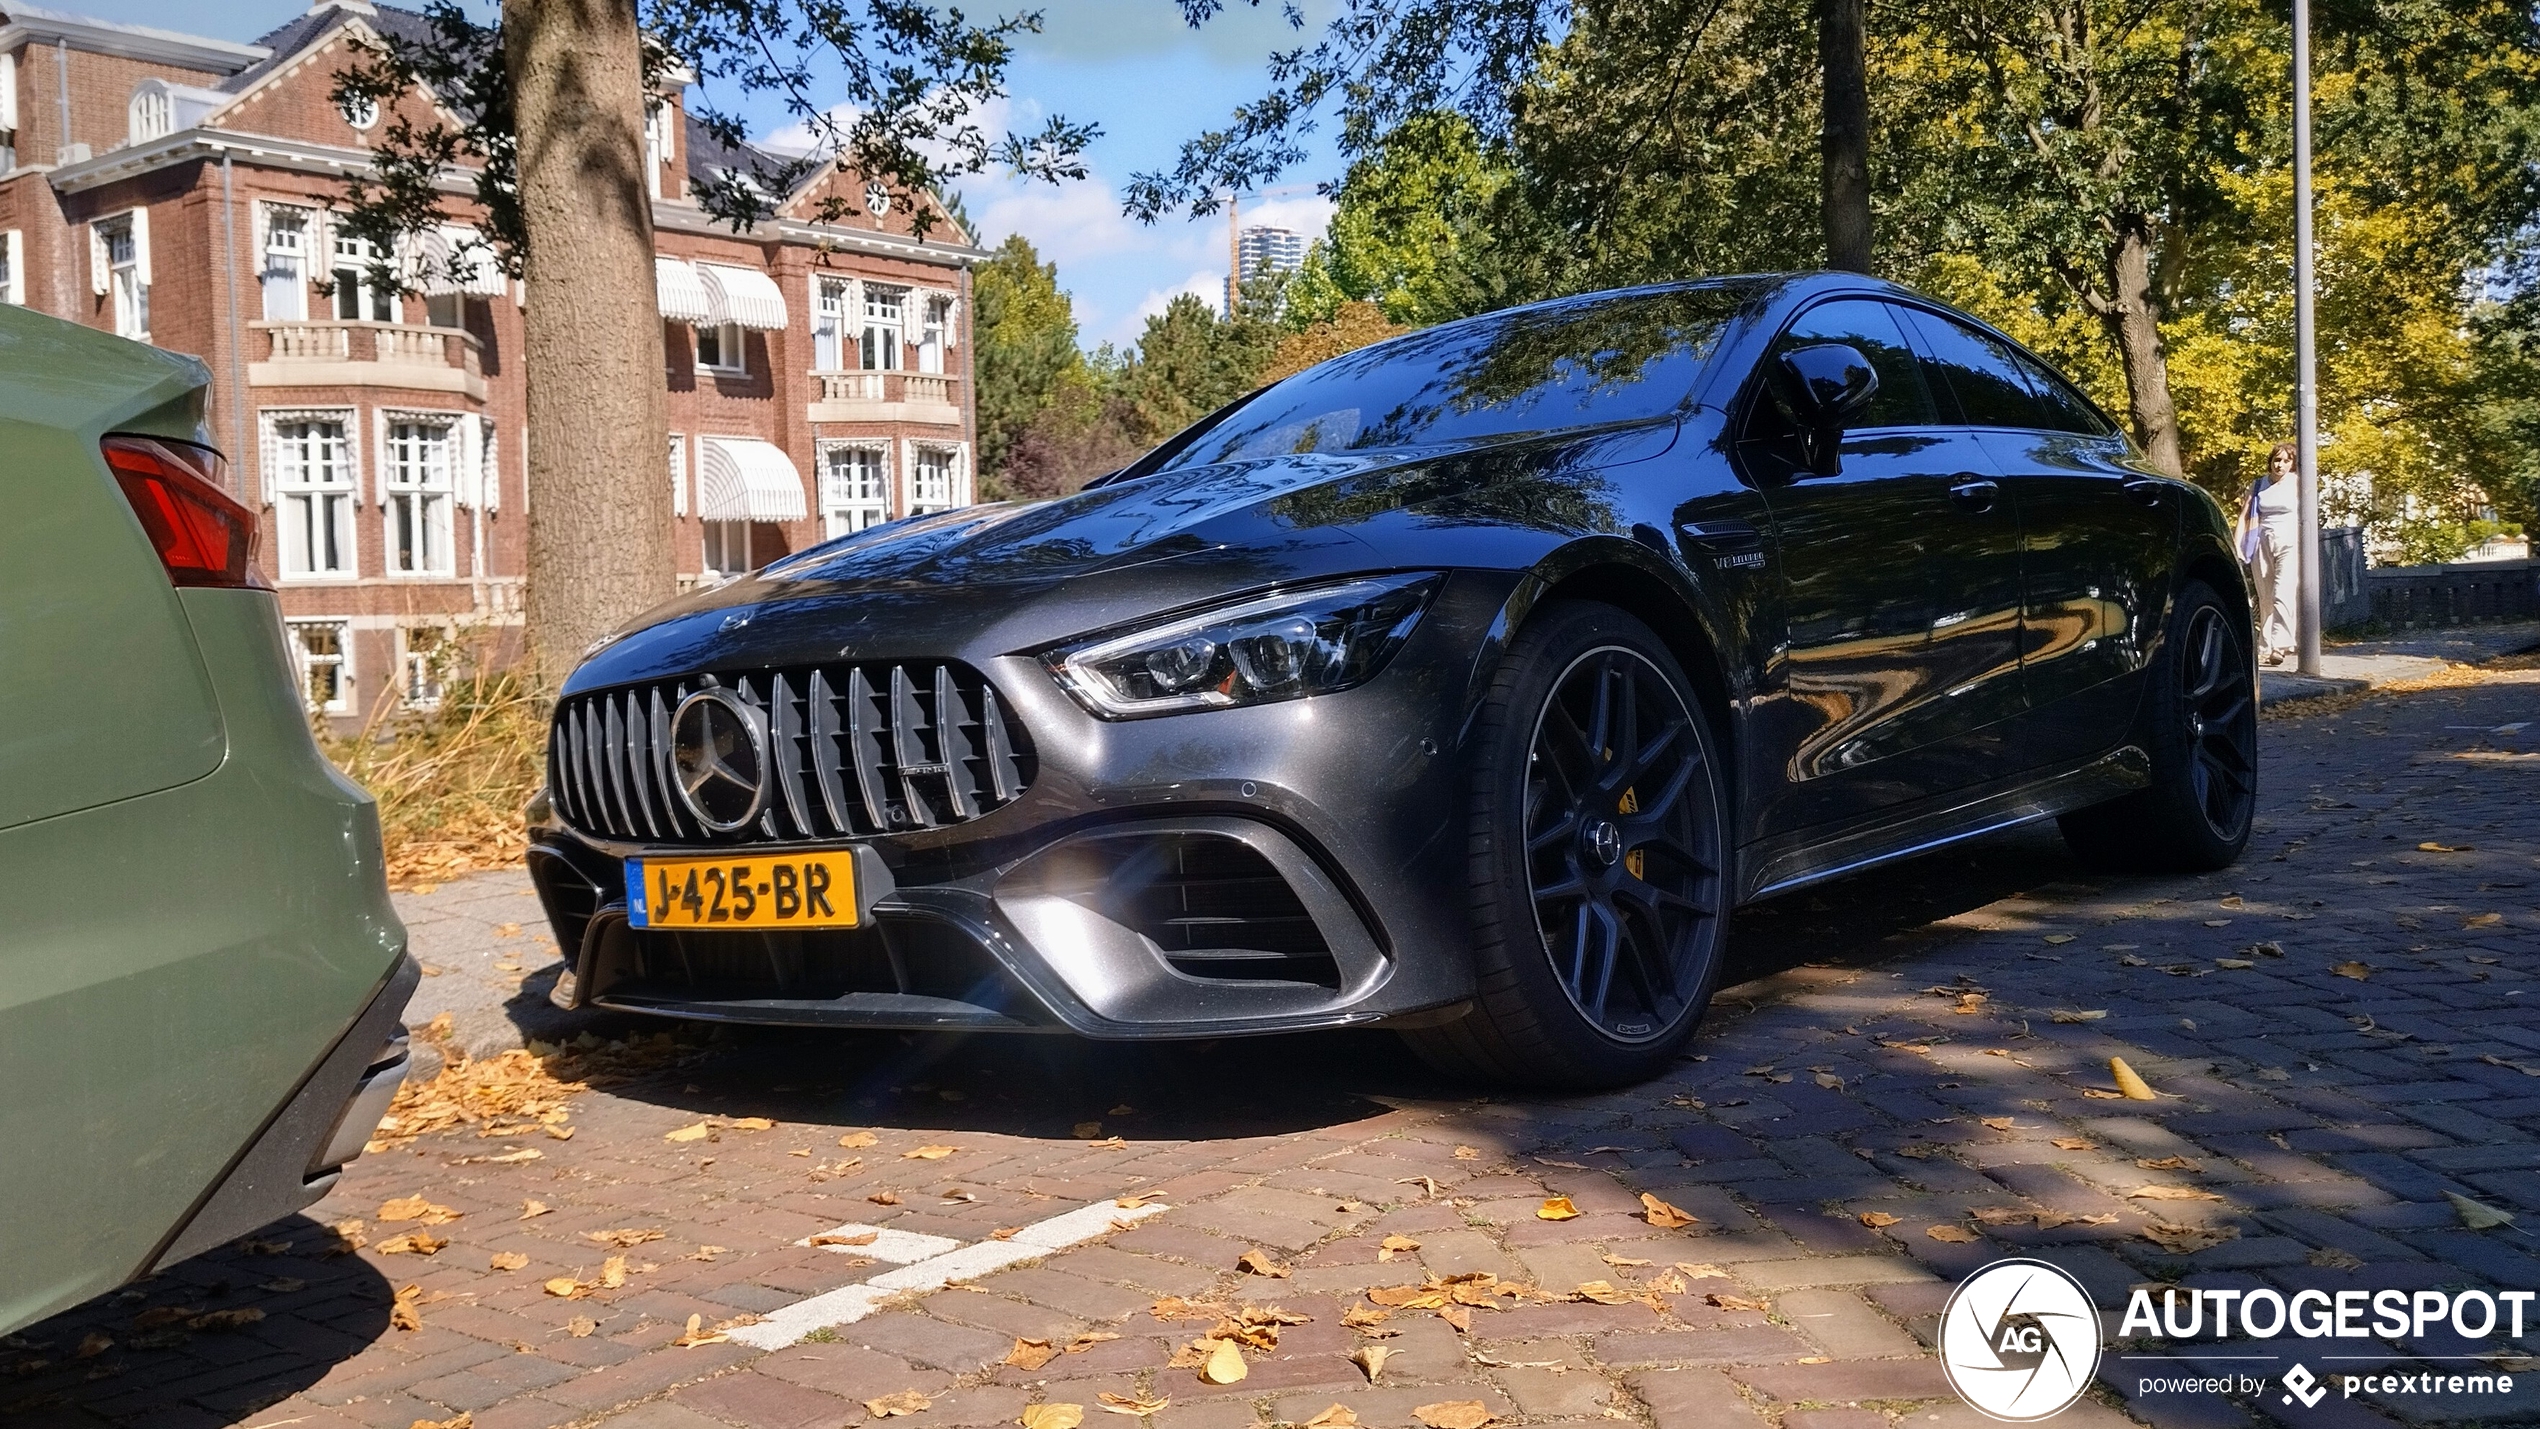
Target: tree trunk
599,508
2134,318
1845,136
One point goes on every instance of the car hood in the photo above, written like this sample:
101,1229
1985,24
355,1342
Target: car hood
1016,576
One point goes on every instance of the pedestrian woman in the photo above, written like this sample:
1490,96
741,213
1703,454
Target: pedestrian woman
2270,538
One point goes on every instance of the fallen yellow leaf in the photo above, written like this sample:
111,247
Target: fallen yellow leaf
1052,1416
1128,1404
1394,1245
1557,1208
509,1260
1225,1363
1454,1414
1258,1262
1878,1220
846,1238
530,1210
697,1132
2077,1014
907,1401
419,1242
2477,1215
2129,1085
581,1326
626,1239
1339,1416
403,1312
1951,1235
2075,1143
2170,1193
1031,1354
1601,1292
2356,970
928,1153
416,1208
855,1140
1371,1359
1664,1216
697,1334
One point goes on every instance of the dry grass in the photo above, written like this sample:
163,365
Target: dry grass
452,781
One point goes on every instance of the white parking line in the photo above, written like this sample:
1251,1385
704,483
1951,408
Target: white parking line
850,1303
897,1247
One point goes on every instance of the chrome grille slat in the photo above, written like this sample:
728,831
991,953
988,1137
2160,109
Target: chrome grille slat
658,766
931,745
864,736
823,720
785,731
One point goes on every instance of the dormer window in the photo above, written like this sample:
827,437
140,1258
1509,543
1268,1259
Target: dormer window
152,114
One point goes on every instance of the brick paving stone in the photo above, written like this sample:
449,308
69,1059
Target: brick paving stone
765,1402
1693,1399
1848,1380
1844,1325
1553,1394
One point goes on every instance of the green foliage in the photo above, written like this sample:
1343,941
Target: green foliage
1027,356
1191,361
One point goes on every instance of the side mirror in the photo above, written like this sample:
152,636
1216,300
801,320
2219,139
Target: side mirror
1821,388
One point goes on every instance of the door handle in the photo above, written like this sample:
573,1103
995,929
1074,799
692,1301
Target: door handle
1720,535
1974,493
2144,489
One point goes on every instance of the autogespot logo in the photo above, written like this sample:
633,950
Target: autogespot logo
2019,1340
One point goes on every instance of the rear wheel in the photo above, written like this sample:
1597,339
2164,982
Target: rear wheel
1596,843
2201,728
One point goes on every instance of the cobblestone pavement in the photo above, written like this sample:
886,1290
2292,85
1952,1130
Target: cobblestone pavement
1884,1103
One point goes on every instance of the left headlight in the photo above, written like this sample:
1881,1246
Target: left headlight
1275,647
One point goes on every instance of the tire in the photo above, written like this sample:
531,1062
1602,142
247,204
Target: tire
2200,726
1599,862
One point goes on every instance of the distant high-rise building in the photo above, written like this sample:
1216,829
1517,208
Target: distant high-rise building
1263,249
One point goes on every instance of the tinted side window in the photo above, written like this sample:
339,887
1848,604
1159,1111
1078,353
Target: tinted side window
2062,408
1903,399
1979,372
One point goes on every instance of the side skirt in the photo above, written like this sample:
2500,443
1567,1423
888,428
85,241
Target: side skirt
1783,864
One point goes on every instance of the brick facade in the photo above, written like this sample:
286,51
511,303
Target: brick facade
402,436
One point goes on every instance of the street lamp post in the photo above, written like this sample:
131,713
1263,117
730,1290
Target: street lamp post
2306,565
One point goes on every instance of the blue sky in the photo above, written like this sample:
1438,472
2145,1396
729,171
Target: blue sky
1130,66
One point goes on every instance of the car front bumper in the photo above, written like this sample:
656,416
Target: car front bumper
1256,869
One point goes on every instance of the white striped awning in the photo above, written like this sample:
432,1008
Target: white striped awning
743,295
745,479
680,292
442,249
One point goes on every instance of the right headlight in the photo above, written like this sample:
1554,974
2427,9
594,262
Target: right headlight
1275,647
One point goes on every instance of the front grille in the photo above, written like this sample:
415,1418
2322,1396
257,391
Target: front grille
856,750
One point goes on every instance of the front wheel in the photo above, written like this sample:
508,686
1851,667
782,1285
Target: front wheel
1597,843
2201,731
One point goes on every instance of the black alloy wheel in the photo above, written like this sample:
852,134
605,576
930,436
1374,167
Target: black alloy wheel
2200,730
1623,870
1597,834
2220,717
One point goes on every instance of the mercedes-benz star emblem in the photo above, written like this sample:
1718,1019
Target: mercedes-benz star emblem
2019,1340
718,750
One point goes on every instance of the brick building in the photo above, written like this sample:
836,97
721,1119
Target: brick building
178,190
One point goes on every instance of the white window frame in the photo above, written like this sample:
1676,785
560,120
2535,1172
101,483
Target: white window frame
934,332
304,494
119,254
13,264
731,348
952,494
847,505
287,230
349,257
718,559
418,683
660,143
678,473
417,493
149,114
834,301
883,333
307,663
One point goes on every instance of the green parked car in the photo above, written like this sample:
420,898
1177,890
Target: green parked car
201,979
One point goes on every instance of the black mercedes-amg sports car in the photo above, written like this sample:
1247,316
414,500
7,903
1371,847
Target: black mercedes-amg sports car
1463,683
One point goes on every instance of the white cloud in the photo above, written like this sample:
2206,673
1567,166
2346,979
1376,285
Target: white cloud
1206,284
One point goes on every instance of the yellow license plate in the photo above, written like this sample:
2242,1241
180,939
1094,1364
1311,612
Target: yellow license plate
803,890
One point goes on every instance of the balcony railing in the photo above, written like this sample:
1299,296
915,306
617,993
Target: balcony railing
936,388
392,344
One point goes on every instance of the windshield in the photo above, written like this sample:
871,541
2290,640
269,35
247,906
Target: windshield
1612,358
